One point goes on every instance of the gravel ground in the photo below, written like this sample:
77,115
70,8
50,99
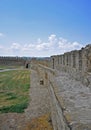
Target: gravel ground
77,100
39,105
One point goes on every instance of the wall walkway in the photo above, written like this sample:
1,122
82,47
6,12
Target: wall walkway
70,100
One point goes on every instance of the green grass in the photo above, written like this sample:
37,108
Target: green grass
19,108
14,91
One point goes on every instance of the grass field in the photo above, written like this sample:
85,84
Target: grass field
14,91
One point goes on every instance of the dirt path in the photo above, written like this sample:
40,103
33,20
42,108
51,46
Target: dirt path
36,116
39,97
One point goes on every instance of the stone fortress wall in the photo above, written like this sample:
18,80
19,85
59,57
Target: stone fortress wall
77,63
12,61
70,100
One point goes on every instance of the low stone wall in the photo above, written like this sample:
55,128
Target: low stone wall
48,76
70,101
12,61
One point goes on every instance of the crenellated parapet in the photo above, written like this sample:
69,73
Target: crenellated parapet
77,63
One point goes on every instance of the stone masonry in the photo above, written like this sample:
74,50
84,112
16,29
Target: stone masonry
77,63
68,80
12,61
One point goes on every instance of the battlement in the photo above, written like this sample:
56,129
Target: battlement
77,63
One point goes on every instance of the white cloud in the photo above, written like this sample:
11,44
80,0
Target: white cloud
15,46
52,38
1,47
28,47
52,41
1,34
39,41
52,46
65,45
42,46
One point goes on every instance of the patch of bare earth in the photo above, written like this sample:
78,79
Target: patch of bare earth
12,121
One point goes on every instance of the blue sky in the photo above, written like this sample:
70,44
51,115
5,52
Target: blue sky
43,27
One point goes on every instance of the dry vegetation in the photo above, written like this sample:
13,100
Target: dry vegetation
41,123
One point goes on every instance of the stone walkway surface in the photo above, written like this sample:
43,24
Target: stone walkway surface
38,106
39,103
75,100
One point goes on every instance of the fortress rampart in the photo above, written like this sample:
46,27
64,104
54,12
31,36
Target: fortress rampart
77,63
70,100
47,75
